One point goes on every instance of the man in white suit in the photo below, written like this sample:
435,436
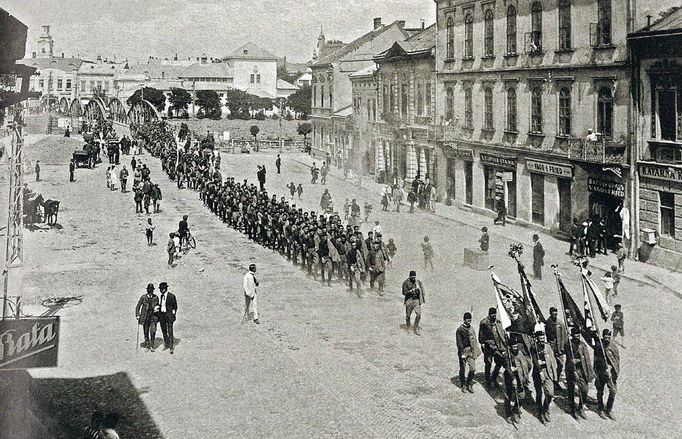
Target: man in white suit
250,284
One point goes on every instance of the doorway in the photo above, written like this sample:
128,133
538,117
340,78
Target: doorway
565,208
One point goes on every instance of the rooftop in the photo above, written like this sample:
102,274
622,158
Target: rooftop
206,70
251,51
283,85
65,64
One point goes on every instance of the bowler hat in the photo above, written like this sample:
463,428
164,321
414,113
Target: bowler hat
163,286
150,287
413,273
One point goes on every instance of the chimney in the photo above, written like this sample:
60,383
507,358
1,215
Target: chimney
175,58
99,58
423,22
401,23
377,23
62,54
33,54
648,22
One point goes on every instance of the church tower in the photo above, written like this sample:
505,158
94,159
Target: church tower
320,45
46,43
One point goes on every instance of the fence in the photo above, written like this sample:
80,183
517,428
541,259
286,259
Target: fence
243,145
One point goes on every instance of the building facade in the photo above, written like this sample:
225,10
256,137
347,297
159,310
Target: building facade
520,86
254,70
657,116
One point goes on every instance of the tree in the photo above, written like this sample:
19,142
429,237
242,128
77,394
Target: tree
179,100
152,95
254,132
209,103
301,101
304,129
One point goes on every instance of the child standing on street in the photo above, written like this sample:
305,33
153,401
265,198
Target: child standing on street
618,328
621,255
300,190
428,253
616,279
170,247
346,209
392,249
150,231
608,286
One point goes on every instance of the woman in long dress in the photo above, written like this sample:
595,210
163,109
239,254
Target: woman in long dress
114,178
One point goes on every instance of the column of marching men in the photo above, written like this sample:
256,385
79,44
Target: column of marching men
321,245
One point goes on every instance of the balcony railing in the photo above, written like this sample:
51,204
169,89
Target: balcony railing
600,151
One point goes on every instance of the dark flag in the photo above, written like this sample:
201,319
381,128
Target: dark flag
520,312
528,288
574,317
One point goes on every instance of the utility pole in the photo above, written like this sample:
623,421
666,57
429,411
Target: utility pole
14,250
194,98
49,92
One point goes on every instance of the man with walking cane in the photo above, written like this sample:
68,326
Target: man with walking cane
146,313
250,284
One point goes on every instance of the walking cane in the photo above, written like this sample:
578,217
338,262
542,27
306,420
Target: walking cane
137,341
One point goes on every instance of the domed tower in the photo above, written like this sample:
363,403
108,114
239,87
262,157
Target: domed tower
46,43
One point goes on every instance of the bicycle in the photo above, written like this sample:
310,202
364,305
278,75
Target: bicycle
188,242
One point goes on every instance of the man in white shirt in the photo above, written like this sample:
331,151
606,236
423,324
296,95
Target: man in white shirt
250,284
168,307
377,228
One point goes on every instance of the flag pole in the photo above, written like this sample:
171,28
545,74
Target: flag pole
514,252
594,320
557,276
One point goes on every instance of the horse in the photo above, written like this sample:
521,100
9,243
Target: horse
51,210
32,209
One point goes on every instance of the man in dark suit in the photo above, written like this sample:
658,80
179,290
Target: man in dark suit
146,315
168,306
538,257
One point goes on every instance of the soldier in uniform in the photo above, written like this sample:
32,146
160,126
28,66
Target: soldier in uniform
579,373
516,380
544,374
607,368
467,352
557,337
146,313
492,339
413,291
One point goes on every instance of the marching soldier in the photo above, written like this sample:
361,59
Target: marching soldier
557,337
413,290
579,373
607,368
492,339
544,374
516,379
467,352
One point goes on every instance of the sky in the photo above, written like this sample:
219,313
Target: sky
137,29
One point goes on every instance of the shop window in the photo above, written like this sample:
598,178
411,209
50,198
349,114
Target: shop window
469,35
468,109
488,96
537,185
511,30
564,111
489,36
605,112
449,104
511,109
667,213
536,110
564,24
450,46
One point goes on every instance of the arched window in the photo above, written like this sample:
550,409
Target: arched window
469,35
604,21
536,110
488,96
511,30
511,109
468,109
450,48
605,112
564,24
489,38
449,104
536,27
565,111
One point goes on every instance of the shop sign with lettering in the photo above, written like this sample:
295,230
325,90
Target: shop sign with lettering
499,161
660,172
450,149
606,187
558,170
26,343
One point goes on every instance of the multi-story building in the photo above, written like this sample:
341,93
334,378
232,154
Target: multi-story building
405,102
96,78
520,84
254,70
367,158
657,119
331,85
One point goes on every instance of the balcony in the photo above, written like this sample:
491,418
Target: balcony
601,151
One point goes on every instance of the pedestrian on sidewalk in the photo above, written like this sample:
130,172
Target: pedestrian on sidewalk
292,189
146,313
467,352
392,250
621,254
299,190
108,177
501,209
346,209
149,231
616,279
324,170
114,178
413,292
37,170
156,198
170,247
138,200
484,239
261,176
398,198
608,286
278,163
124,178
538,257
618,324
168,307
428,253
313,173
250,294
411,198
368,210
575,238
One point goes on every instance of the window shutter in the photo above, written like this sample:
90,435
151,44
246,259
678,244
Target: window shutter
594,34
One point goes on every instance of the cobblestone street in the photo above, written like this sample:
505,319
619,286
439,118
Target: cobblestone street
323,362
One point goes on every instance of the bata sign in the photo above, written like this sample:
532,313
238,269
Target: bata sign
26,343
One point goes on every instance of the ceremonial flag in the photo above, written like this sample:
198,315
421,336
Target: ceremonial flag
573,315
602,305
528,288
502,314
519,312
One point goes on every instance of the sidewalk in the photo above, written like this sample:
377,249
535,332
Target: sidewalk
644,274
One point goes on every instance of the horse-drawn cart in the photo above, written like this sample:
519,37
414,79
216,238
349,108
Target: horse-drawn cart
82,158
